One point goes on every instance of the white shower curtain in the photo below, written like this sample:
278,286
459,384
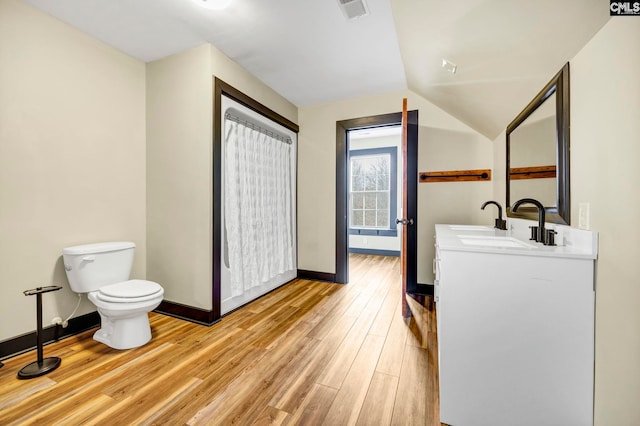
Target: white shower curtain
258,206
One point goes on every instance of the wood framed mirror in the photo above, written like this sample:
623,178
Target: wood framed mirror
538,153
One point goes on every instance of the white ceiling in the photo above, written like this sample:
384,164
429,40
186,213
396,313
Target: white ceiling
505,50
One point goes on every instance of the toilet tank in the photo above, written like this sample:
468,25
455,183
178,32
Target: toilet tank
92,266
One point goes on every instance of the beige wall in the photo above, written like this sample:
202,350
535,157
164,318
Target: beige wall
605,151
180,166
450,202
444,144
72,157
179,152
605,106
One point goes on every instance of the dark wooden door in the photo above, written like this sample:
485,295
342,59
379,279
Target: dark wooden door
406,220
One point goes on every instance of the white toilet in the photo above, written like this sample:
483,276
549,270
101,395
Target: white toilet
102,270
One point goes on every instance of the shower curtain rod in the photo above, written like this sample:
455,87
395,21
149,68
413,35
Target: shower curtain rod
257,128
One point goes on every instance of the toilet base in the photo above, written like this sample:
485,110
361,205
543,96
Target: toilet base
124,333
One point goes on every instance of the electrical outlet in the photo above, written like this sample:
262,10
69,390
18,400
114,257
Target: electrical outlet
365,241
583,215
56,321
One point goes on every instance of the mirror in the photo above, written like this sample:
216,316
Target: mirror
538,153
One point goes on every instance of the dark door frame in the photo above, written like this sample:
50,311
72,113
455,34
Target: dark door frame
342,194
221,88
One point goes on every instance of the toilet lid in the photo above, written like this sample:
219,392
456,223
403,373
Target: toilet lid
130,290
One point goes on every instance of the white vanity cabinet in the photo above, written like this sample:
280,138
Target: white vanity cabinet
515,333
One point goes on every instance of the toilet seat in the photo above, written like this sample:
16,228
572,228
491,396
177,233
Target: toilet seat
131,291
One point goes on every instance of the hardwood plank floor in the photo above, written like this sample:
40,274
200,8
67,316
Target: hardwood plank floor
309,353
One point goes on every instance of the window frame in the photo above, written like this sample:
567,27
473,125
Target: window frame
392,151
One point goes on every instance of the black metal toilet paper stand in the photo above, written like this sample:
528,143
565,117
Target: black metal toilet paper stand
43,365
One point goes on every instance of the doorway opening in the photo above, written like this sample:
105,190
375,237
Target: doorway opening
347,215
374,190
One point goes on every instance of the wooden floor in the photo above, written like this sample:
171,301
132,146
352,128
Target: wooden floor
309,353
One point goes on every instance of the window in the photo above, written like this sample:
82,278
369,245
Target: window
373,191
370,182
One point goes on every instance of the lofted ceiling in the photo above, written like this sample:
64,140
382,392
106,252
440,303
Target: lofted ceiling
505,50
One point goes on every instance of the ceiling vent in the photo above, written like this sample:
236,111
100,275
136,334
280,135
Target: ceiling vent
353,9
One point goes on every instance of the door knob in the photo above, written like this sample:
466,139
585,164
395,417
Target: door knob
404,221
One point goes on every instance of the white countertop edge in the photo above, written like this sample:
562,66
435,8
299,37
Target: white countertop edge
580,244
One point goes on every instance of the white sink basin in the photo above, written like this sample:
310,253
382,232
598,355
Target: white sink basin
487,241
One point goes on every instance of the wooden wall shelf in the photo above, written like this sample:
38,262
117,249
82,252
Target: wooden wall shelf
455,176
541,172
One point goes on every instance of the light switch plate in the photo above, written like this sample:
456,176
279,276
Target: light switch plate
583,215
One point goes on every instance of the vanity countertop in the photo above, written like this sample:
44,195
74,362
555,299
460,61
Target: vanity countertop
575,243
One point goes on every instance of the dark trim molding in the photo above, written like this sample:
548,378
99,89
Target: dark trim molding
316,276
412,200
376,252
26,342
221,88
374,232
342,202
423,290
188,313
218,90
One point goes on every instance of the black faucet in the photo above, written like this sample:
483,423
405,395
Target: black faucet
537,232
500,223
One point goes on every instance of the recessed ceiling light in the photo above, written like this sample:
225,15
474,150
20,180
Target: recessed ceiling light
449,66
213,4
